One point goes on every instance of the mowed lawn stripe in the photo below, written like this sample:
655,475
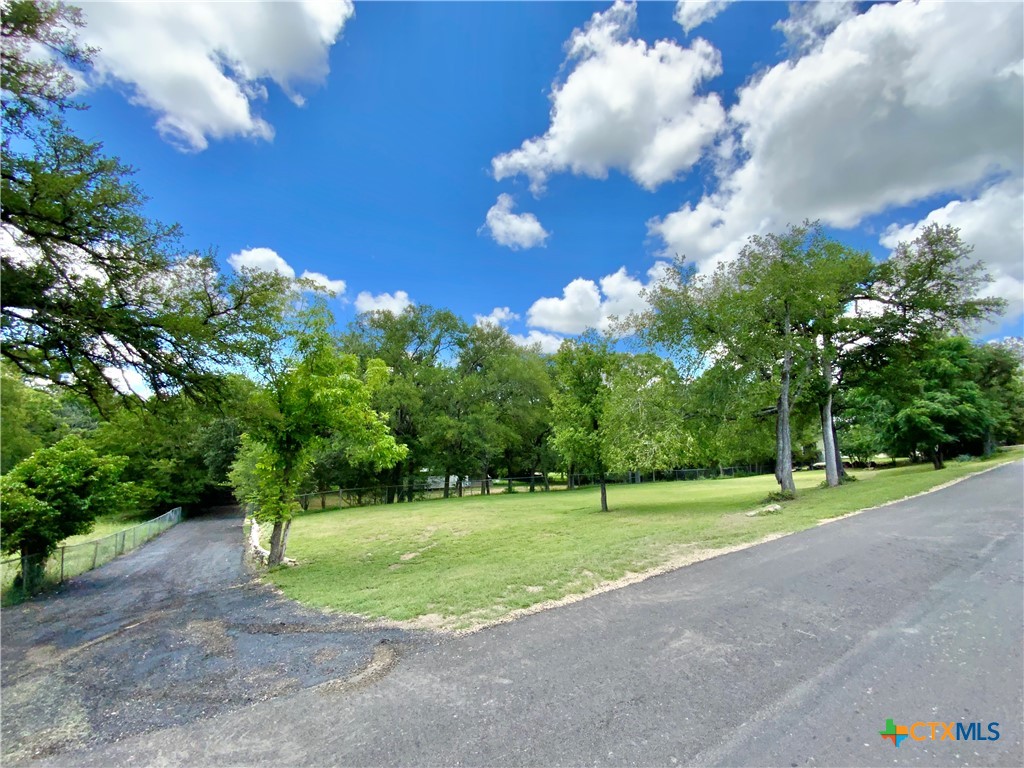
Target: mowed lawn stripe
464,562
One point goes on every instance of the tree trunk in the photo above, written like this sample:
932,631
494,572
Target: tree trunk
570,485
937,462
829,443
278,542
783,437
533,478
839,453
989,446
390,493
604,494
827,434
447,480
32,567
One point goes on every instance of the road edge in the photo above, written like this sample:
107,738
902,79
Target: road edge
676,564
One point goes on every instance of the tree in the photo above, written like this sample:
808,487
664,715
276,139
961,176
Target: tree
927,286
313,393
836,274
509,391
180,450
33,85
416,345
939,396
582,367
92,288
752,313
1001,378
642,427
55,493
34,417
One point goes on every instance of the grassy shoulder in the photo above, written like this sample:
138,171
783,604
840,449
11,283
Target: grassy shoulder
108,525
463,562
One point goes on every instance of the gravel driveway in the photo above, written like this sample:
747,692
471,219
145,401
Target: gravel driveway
171,633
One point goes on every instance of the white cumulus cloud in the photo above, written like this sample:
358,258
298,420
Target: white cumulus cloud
386,302
268,260
690,14
263,259
993,223
585,304
548,342
578,308
202,67
497,316
897,104
625,105
809,23
324,283
513,230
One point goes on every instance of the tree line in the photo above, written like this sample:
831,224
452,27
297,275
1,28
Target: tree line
801,348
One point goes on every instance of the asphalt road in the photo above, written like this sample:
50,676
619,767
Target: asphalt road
791,653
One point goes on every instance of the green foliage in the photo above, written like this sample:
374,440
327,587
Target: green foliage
414,346
58,492
93,287
35,85
582,368
179,449
34,417
641,422
1000,370
314,393
507,390
766,320
939,395
257,477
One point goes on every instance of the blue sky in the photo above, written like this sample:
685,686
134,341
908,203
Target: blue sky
659,135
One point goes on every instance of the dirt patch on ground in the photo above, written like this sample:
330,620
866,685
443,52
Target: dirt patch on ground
384,659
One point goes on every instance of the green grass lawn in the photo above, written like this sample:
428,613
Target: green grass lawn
108,525
465,562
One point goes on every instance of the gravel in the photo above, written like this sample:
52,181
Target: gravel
177,631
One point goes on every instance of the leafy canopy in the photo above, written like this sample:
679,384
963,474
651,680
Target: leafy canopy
58,492
92,287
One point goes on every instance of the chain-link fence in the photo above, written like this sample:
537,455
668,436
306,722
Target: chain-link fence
22,577
435,488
